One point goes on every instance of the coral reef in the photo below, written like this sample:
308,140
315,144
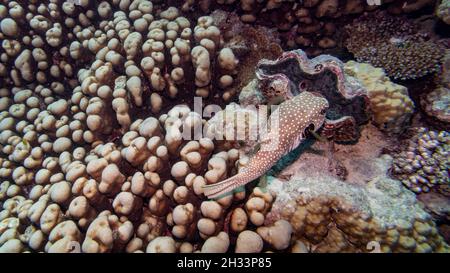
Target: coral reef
113,128
148,184
36,43
137,56
394,44
328,215
311,25
390,104
166,59
422,163
351,163
95,151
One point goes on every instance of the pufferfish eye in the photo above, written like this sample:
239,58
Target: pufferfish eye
303,85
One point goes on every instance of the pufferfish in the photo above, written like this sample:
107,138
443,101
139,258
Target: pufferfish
289,124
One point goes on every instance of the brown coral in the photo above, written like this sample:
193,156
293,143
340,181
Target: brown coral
394,44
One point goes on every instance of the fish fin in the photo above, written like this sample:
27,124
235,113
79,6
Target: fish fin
226,186
296,142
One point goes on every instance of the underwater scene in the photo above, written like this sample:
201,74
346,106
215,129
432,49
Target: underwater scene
224,126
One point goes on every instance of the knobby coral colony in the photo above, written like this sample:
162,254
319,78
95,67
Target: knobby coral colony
96,97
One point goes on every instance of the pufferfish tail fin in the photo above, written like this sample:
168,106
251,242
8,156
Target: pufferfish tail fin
221,188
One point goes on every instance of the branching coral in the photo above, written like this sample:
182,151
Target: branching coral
32,43
394,44
132,57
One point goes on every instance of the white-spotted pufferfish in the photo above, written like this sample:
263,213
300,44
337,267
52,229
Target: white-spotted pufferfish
295,116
